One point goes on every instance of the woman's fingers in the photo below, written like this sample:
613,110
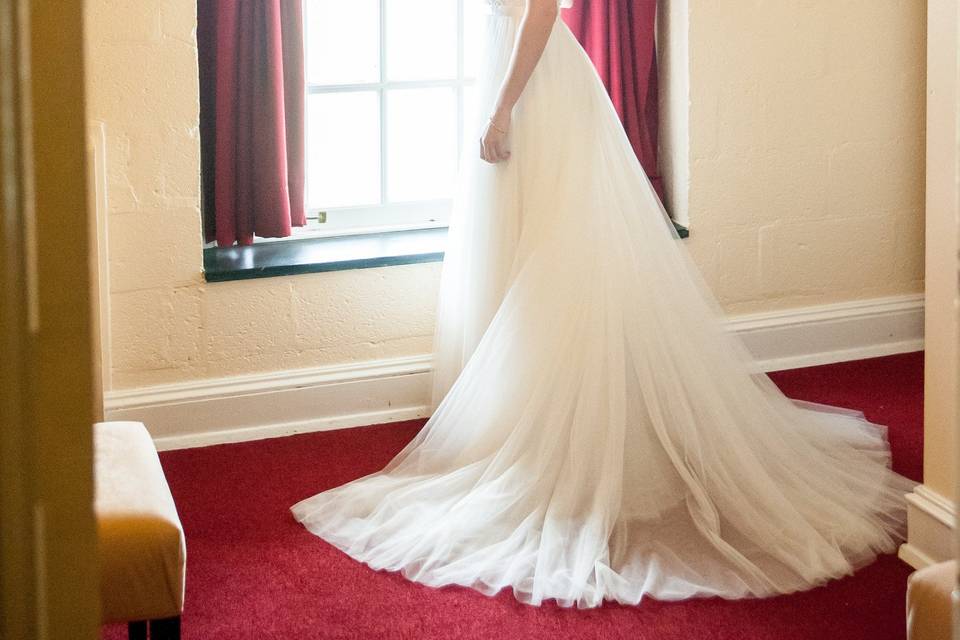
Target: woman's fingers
494,149
501,151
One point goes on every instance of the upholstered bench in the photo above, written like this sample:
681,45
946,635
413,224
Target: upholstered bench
929,595
142,547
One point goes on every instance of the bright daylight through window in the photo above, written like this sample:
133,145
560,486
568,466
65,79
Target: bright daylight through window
389,93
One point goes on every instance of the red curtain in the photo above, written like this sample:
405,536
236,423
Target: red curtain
619,36
251,118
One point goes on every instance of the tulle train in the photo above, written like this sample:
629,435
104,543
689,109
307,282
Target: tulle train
597,434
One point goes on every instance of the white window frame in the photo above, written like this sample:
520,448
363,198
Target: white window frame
388,216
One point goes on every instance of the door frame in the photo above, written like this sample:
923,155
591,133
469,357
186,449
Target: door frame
49,586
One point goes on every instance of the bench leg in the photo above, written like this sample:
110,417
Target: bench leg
165,629
137,630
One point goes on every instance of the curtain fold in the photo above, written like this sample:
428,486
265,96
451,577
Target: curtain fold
251,118
620,38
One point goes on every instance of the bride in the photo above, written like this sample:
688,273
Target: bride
597,434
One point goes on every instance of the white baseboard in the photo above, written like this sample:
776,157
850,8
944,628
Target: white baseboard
282,403
216,411
839,332
931,520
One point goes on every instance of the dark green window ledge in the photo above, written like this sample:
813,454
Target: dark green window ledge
315,255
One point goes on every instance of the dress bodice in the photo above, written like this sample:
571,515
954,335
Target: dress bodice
520,4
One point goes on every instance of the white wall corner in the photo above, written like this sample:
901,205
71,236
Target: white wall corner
99,243
673,60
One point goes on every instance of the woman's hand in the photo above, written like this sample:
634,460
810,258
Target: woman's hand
539,18
493,144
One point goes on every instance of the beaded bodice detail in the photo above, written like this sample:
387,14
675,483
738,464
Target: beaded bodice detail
514,5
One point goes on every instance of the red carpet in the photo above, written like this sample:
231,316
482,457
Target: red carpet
252,572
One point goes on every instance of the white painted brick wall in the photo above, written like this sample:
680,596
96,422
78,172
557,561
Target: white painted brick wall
806,162
806,169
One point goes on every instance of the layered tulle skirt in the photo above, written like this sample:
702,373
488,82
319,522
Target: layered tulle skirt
597,433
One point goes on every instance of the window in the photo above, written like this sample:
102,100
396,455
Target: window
389,90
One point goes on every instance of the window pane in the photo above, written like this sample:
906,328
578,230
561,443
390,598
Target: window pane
421,143
474,17
342,41
421,39
343,149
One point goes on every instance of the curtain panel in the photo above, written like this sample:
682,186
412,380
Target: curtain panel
620,38
251,118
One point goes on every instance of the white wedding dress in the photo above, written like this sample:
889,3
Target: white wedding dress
597,432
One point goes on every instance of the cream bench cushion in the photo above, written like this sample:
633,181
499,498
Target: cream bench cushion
142,546
929,593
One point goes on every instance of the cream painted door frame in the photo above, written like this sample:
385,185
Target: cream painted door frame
932,506
48,554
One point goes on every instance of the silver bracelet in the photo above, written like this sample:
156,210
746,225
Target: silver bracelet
494,125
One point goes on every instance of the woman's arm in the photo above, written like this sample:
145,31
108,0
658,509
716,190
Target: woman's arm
534,32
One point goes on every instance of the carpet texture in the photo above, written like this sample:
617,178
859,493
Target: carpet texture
253,572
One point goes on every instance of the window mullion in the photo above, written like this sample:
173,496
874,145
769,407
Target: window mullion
402,213
461,30
375,86
383,102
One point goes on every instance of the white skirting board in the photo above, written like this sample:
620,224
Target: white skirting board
931,521
282,403
824,334
252,407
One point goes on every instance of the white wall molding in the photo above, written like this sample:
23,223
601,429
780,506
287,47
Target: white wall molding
931,520
839,332
282,403
251,407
